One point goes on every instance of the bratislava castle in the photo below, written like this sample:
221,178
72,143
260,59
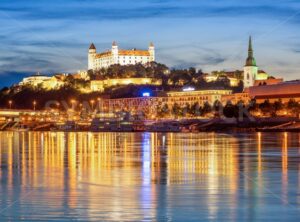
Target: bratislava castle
119,56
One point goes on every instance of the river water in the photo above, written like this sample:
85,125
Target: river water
149,176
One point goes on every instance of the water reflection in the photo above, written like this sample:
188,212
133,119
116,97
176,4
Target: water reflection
149,176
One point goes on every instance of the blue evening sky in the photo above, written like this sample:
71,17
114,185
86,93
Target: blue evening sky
54,35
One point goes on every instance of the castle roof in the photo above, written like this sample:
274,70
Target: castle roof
92,46
123,52
280,89
103,54
134,52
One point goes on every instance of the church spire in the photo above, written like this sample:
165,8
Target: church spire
250,60
250,50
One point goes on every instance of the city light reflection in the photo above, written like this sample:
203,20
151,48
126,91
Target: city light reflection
87,173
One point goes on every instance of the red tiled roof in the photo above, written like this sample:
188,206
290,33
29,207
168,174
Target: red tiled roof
134,52
282,89
103,54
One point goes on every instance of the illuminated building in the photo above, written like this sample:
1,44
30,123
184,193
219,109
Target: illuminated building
42,81
190,96
148,104
262,75
100,85
284,91
52,83
236,98
34,80
268,81
233,81
119,56
136,104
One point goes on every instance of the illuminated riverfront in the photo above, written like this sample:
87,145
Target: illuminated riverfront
149,176
150,110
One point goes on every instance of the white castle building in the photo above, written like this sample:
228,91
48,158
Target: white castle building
119,56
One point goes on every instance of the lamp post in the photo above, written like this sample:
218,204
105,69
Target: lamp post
73,104
99,103
34,105
57,105
92,103
10,103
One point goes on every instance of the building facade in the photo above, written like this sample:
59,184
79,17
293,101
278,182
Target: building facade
34,80
197,96
100,85
236,98
97,61
268,81
284,91
149,104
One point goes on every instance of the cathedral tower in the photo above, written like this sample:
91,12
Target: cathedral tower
151,50
115,52
250,69
91,56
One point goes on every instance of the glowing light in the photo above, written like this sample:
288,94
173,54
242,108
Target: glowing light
188,89
146,94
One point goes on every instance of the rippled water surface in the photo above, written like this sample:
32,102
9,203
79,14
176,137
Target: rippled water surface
149,176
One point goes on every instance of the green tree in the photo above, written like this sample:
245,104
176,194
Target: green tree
293,107
266,108
206,109
176,110
195,109
230,110
278,106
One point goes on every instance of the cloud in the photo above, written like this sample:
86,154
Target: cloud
50,36
92,10
25,62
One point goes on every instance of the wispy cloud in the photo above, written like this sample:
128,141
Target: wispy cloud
53,36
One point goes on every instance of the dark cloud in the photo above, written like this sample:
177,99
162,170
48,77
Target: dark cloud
91,10
28,62
199,62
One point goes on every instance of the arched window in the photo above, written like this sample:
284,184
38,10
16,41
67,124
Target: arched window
248,76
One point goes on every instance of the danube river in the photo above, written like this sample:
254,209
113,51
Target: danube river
149,176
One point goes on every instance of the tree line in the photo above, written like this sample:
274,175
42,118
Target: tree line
230,110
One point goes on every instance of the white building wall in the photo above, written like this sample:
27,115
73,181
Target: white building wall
250,74
115,58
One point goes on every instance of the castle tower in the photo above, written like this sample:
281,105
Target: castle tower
250,69
115,52
91,56
151,50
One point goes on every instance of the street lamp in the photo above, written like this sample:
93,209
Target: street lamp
73,103
10,103
92,102
34,105
98,99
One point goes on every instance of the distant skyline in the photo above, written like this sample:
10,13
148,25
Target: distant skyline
54,36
